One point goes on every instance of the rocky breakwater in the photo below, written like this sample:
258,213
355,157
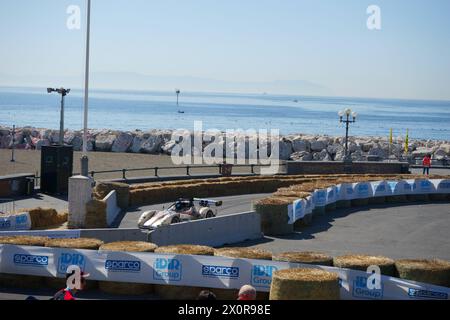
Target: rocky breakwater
299,147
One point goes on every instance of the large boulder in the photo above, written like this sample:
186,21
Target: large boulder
77,143
379,152
122,143
168,147
333,149
152,144
136,144
299,145
5,142
42,143
440,154
285,149
301,156
421,152
68,137
318,145
446,148
104,142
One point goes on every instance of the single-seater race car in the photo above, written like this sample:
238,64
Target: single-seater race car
182,210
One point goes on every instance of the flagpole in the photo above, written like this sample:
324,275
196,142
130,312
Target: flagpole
85,159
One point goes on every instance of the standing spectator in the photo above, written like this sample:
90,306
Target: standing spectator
247,292
426,162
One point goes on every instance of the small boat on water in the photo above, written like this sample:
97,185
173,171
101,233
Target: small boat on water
180,111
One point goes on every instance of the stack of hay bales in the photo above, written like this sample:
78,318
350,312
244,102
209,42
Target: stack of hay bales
433,271
96,215
121,287
171,292
102,189
243,253
306,257
304,284
362,262
42,218
22,281
274,215
80,243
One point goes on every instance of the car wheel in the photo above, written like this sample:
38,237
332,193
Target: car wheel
175,220
209,214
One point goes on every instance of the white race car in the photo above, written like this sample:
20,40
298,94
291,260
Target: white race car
181,210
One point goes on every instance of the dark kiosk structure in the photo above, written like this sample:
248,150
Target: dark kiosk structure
56,168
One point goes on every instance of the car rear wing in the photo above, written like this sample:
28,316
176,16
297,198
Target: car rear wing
207,202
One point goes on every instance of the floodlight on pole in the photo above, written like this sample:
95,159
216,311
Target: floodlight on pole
347,113
63,92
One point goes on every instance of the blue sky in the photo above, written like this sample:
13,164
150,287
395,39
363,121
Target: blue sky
323,42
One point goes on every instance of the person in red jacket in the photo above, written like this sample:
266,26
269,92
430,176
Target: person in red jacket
426,162
68,293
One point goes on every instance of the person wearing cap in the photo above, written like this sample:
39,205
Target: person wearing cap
247,292
69,293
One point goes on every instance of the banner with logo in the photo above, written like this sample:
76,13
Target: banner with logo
381,189
15,222
332,195
320,197
362,190
442,186
399,188
198,271
345,191
53,234
422,186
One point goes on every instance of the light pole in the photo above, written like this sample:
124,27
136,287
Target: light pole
12,146
347,113
63,92
84,158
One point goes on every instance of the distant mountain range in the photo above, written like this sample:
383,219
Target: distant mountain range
136,81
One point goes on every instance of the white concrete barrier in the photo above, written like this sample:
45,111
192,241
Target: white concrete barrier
112,209
213,232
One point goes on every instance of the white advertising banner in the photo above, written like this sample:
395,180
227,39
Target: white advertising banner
320,197
400,187
442,186
309,205
345,191
198,271
299,207
332,194
381,189
56,234
362,190
422,186
15,222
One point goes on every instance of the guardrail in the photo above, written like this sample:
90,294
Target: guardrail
157,170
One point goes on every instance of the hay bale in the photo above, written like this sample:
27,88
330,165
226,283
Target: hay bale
170,292
95,215
246,253
304,284
45,217
307,257
24,240
129,246
22,281
432,271
186,249
122,288
79,243
102,189
362,262
274,215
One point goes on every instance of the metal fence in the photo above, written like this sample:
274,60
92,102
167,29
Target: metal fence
156,171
